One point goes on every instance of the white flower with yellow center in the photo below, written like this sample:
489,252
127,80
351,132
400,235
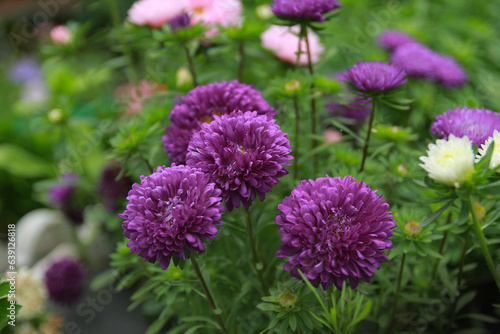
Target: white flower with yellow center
495,158
450,162
30,294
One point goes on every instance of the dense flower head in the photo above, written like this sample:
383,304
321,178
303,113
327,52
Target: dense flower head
334,229
392,39
170,212
201,104
61,35
154,13
450,162
284,42
215,12
374,76
495,158
477,124
244,153
448,72
416,59
313,10
64,279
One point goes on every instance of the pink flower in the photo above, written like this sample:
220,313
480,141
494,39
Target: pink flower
155,13
284,43
60,35
212,12
133,94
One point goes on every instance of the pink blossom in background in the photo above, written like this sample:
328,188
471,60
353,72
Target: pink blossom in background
155,13
133,94
284,44
332,136
60,34
212,12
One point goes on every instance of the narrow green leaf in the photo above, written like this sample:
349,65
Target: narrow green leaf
314,291
193,329
293,322
464,300
481,317
436,214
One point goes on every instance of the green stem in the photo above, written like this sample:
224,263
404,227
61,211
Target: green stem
258,265
483,243
313,103
191,64
208,294
441,249
241,68
369,132
398,289
459,279
297,139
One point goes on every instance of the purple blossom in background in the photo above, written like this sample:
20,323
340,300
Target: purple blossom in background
356,109
304,9
448,72
179,21
170,212
60,194
374,76
392,39
244,154
334,230
24,70
112,190
64,279
200,106
416,59
477,124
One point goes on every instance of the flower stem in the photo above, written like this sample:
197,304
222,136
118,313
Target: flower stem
259,266
396,297
369,132
483,243
441,249
191,64
241,68
208,294
313,102
297,139
459,279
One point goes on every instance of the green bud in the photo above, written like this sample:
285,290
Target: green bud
183,78
480,210
264,12
293,86
55,115
412,229
288,299
402,170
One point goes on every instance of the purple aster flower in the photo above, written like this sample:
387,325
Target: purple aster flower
416,59
60,194
64,279
201,104
477,124
179,21
304,9
392,39
448,72
356,109
374,76
112,190
170,212
244,153
24,70
334,229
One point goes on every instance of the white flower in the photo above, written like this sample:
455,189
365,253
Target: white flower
495,158
30,293
451,161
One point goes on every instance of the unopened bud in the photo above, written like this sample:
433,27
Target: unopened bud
479,209
264,12
293,86
183,78
288,299
402,170
412,229
55,115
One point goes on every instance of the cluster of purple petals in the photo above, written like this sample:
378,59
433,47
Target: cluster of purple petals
170,212
477,124
421,61
356,109
180,21
334,230
244,153
200,106
392,39
64,279
24,70
60,194
111,189
374,76
304,9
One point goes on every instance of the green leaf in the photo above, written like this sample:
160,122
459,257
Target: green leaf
480,317
464,300
494,217
491,189
196,318
268,307
193,329
17,161
293,322
157,325
436,214
484,164
314,291
4,288
306,319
